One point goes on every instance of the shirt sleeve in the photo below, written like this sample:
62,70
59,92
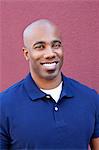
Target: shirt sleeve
4,135
96,128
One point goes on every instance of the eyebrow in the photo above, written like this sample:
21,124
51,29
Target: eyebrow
39,42
55,41
42,42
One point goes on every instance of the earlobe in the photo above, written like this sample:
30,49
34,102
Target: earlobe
26,53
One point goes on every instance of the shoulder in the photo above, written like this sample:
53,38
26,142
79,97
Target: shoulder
86,94
12,92
81,89
78,85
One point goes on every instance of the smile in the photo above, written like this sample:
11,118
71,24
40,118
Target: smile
50,65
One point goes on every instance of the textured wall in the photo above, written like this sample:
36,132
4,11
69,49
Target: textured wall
79,24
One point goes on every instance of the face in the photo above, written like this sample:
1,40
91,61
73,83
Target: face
44,53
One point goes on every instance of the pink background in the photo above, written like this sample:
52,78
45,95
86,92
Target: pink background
78,21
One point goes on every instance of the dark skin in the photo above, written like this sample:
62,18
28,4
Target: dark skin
94,144
44,53
43,45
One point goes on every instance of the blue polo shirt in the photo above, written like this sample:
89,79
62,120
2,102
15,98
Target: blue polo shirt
32,120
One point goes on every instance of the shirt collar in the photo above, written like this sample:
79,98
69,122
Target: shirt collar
32,89
66,89
35,93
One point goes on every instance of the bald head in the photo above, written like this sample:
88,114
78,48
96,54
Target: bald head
37,27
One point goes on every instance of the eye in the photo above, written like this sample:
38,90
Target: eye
39,47
56,45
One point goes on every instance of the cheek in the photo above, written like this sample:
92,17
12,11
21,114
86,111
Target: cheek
60,54
35,61
35,56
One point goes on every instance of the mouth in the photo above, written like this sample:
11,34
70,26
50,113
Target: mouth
50,65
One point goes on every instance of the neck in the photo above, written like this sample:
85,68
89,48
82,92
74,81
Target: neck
47,84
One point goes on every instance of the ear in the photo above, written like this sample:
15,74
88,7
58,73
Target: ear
26,53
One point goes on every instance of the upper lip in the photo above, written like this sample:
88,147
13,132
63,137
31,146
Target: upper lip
49,62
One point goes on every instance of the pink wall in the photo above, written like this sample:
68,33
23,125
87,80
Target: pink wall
79,24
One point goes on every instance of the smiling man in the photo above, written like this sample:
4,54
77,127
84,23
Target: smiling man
43,49
47,110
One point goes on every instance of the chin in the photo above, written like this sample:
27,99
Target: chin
51,75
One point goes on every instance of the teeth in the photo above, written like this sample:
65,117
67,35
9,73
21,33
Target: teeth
49,64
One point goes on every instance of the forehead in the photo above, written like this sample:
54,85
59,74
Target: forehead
44,33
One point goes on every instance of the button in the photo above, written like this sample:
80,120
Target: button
48,96
56,108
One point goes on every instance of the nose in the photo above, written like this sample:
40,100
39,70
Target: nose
49,54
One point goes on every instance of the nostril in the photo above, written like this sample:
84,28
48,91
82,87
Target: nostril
50,55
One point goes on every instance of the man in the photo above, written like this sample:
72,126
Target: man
47,110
